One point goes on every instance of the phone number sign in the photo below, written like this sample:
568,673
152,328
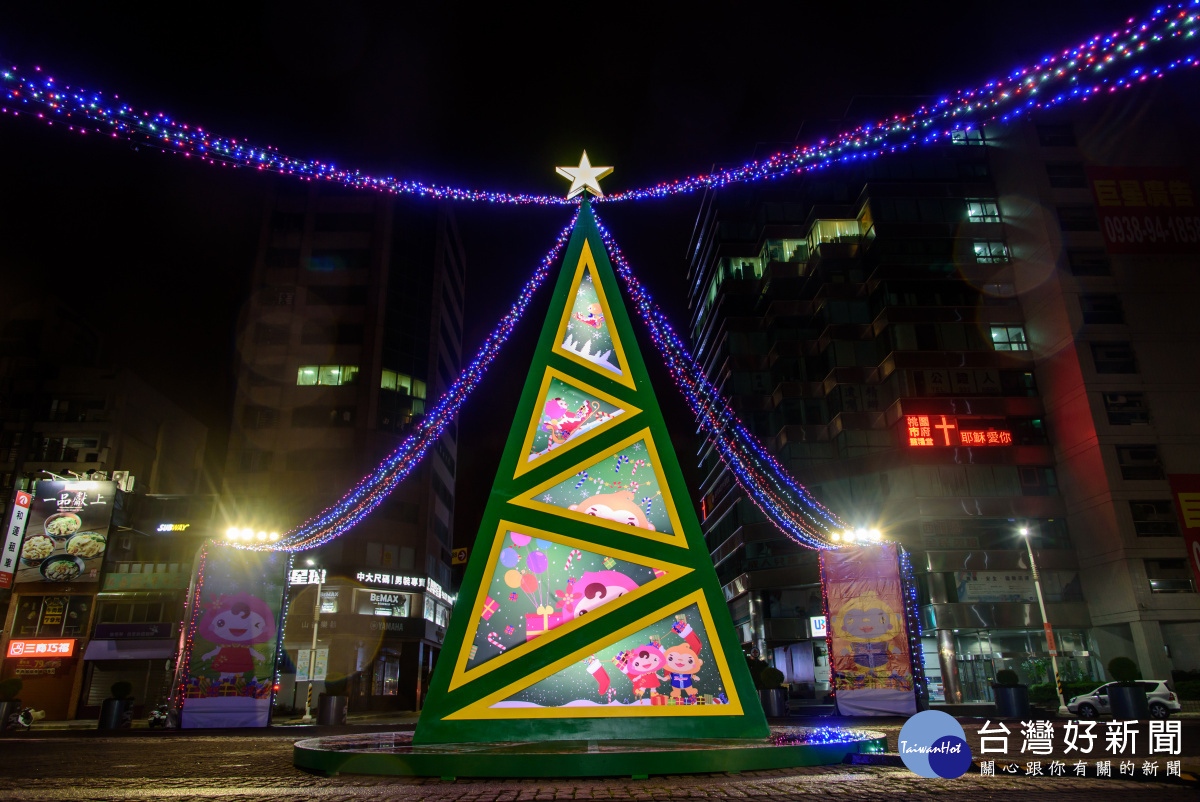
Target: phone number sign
1146,210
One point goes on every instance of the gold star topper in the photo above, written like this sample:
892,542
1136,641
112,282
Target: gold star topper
585,176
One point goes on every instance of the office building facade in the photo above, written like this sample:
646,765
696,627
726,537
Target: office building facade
354,325
951,345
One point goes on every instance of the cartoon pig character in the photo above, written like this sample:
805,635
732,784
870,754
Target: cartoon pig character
618,507
598,588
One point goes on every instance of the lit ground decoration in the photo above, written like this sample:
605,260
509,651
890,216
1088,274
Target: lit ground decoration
395,754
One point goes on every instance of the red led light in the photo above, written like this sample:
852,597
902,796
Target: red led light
945,430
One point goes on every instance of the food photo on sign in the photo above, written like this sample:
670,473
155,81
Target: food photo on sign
67,533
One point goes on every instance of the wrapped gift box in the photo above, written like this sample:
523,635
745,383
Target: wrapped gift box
540,623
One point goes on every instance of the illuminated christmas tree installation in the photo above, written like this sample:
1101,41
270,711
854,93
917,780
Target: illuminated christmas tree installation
590,608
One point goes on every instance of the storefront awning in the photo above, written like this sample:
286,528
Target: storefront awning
129,649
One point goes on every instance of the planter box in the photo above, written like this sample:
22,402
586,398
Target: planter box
1012,701
1128,702
774,702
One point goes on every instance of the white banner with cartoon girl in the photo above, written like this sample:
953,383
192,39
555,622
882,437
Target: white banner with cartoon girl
226,673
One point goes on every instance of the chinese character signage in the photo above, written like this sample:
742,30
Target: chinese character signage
1146,210
306,576
41,648
226,672
396,580
1185,489
947,430
10,556
67,532
1081,748
866,631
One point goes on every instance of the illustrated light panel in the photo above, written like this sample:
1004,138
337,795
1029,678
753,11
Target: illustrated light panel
624,488
566,413
667,667
588,333
538,585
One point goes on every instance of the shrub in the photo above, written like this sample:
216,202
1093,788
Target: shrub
1123,670
1007,677
771,678
1188,690
9,688
121,690
1044,693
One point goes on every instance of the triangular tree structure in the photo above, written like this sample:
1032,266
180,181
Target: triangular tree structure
589,608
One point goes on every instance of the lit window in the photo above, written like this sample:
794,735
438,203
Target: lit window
387,380
983,210
327,374
990,251
418,388
970,137
1009,338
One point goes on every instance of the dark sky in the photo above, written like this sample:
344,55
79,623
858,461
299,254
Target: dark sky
156,250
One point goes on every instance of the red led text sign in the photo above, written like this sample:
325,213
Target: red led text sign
1146,209
41,648
944,430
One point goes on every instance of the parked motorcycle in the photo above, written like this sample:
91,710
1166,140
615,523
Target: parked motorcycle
160,716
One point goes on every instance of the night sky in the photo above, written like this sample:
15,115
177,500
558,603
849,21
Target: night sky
155,251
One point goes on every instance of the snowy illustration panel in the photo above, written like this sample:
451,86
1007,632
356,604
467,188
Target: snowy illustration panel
669,662
588,335
538,585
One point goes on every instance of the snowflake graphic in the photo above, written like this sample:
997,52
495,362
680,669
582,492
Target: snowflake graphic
549,499
637,446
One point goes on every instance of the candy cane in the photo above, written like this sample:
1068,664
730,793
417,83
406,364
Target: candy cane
579,484
637,464
494,639
648,500
575,554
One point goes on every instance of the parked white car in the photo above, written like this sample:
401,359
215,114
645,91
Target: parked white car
1161,700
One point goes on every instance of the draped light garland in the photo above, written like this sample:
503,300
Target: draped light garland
1091,69
1055,80
372,489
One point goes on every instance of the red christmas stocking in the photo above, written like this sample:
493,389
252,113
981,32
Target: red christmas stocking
597,670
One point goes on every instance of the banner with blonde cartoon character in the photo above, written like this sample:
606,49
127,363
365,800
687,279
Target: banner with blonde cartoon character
869,655
226,672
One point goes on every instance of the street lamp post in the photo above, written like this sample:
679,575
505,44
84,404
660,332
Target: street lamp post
1037,585
312,653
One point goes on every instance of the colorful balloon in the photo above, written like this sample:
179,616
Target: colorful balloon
537,562
529,582
509,558
513,579
520,540
544,544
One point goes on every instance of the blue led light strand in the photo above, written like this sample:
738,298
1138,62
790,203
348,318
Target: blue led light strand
767,483
1103,64
372,489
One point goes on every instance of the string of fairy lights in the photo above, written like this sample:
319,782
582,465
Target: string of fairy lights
1102,64
372,489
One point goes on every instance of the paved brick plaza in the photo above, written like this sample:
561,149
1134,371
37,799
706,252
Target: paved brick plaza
186,766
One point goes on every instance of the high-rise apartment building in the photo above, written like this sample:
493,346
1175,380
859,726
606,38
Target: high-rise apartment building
355,324
955,344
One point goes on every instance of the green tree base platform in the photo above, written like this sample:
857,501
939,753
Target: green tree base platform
394,754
